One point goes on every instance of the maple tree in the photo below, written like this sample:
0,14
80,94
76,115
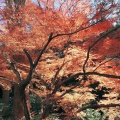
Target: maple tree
56,42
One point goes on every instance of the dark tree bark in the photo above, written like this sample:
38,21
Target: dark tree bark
18,103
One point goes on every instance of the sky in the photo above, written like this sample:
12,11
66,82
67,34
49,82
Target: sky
56,5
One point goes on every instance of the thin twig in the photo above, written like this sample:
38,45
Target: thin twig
103,35
57,82
43,81
102,64
76,31
58,71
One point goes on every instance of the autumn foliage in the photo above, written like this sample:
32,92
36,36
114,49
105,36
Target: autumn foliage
47,44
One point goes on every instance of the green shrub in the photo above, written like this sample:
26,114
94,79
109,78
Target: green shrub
6,111
35,102
91,114
36,106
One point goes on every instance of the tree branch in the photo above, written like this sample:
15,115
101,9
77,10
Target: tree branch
94,106
34,64
103,35
41,52
29,76
67,91
90,73
76,31
58,71
9,80
43,81
102,64
81,74
13,67
29,58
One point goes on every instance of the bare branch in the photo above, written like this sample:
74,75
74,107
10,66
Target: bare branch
67,91
99,74
41,52
38,3
13,67
78,30
56,83
103,35
81,74
9,80
29,58
94,106
33,65
43,81
90,73
102,64
58,71
29,76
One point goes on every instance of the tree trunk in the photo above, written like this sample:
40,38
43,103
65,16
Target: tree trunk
28,98
21,102
47,107
6,96
18,103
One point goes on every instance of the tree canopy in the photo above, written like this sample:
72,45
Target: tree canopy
58,40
